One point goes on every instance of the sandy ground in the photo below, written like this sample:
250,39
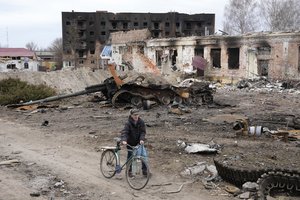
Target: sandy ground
61,160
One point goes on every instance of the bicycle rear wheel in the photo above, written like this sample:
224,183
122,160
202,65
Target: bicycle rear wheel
137,173
108,163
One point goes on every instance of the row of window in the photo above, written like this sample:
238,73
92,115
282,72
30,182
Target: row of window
13,66
156,25
233,57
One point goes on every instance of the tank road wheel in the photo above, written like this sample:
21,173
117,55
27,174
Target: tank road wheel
137,101
177,100
207,98
165,100
121,96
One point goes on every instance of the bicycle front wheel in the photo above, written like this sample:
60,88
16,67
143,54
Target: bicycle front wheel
137,173
108,163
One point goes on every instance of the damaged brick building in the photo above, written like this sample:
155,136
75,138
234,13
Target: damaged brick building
85,33
177,43
224,58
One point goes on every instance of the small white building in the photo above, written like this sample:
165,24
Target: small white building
18,59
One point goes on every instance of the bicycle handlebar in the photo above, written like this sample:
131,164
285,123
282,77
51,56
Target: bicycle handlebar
119,142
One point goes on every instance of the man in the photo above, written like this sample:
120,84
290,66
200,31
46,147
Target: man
134,133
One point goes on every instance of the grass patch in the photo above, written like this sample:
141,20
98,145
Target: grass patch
13,91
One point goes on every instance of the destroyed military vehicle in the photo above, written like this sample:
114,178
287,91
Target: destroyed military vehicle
142,90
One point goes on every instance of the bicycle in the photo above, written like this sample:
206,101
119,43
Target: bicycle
136,176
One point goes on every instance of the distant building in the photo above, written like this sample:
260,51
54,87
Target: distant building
17,59
47,60
85,33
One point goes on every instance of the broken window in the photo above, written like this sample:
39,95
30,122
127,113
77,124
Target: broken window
135,24
80,54
167,24
92,61
92,51
81,34
103,23
114,25
158,54
103,33
156,25
199,51
263,67
145,24
11,66
68,23
125,25
167,33
156,34
177,24
16,58
26,66
233,58
188,25
92,33
215,55
173,54
80,62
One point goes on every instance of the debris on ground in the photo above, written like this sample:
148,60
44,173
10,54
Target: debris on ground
198,148
9,162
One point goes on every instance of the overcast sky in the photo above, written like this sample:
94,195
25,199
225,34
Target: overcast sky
39,21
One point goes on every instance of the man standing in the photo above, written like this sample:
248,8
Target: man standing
134,133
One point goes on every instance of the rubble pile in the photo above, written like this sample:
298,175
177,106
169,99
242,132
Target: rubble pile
262,83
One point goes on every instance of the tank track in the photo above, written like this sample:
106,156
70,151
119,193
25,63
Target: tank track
270,181
279,181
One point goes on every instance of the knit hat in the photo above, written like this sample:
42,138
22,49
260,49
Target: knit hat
134,112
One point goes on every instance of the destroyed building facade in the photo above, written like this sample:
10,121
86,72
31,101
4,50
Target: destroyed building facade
224,58
18,59
85,33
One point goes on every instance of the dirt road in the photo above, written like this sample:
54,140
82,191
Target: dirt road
47,158
61,160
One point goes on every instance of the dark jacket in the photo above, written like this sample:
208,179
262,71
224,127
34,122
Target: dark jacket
133,133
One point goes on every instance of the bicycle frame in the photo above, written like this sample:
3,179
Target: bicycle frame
118,149
110,165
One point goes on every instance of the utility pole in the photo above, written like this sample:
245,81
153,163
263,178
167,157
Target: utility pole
7,44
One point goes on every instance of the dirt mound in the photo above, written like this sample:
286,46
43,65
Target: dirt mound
64,81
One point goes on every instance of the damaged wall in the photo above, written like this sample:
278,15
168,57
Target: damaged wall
275,56
177,54
229,58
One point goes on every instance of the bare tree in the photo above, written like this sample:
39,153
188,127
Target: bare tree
281,15
57,47
241,16
31,46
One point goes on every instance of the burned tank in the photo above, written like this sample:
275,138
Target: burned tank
141,89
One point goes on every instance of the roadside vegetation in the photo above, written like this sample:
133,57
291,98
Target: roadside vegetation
13,91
